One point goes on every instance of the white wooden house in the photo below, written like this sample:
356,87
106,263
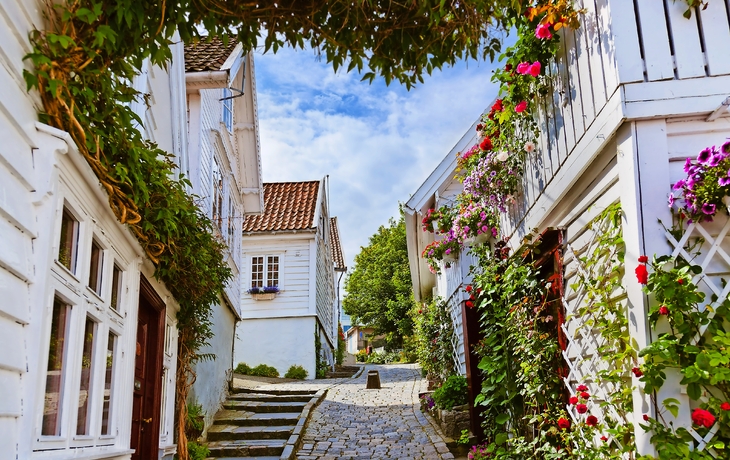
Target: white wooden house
86,333
288,251
224,167
638,88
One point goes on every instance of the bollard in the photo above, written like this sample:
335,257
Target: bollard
373,382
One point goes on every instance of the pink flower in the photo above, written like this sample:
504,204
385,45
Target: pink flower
543,31
535,69
703,417
519,108
523,68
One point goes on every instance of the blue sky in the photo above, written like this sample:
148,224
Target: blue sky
377,143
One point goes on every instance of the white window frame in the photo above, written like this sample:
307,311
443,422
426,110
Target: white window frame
265,280
218,194
227,109
72,288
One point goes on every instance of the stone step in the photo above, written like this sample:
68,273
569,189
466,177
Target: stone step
276,457
239,418
269,397
234,432
273,392
246,448
262,406
338,375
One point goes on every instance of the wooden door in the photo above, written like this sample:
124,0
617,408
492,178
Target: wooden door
146,404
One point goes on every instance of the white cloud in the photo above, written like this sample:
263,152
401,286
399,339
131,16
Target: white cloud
377,143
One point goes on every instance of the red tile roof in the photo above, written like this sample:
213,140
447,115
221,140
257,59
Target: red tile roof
207,55
337,257
287,206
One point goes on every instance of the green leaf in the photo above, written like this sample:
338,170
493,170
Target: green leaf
694,391
501,419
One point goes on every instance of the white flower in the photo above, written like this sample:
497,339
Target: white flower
502,156
529,147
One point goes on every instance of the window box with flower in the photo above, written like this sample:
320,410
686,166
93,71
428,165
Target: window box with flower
263,293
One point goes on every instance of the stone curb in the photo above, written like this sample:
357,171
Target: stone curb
295,440
450,442
359,373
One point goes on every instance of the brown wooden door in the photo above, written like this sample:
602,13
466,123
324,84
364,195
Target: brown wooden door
147,375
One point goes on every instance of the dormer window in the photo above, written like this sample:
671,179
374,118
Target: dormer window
228,109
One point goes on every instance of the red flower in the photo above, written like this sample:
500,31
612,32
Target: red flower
641,274
585,395
680,281
573,400
637,372
521,107
725,406
469,304
486,144
663,310
591,420
604,439
643,259
479,290
563,423
420,312
703,417
581,388
646,418
508,67
497,107
468,288
581,408
480,127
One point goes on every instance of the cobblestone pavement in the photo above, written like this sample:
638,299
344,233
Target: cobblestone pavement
355,423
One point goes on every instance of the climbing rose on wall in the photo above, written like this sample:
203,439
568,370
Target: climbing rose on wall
543,31
563,423
521,107
486,144
581,388
663,310
591,420
642,275
581,408
637,372
725,406
703,418
573,400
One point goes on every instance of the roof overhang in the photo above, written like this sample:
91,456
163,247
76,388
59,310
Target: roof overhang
212,79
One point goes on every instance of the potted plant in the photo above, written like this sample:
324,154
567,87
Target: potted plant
263,293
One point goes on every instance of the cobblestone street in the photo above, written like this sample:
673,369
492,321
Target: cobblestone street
355,423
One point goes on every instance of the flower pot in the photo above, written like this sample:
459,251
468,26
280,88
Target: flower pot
483,238
264,296
450,258
435,224
470,241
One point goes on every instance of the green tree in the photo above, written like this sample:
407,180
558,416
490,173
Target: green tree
379,293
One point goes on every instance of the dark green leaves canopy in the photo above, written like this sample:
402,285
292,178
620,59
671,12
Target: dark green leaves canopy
379,288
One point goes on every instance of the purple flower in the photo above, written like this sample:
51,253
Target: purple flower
494,232
725,148
687,165
679,184
716,159
724,181
708,208
447,252
704,155
690,183
671,200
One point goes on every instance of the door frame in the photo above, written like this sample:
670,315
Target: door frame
154,363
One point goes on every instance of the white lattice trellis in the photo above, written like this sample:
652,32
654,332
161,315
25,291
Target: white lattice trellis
713,256
584,342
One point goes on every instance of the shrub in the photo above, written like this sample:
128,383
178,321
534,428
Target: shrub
195,422
197,451
242,368
262,370
296,372
361,356
376,358
452,393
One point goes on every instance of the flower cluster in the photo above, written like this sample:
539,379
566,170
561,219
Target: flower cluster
480,452
707,184
263,290
580,401
474,220
448,245
494,180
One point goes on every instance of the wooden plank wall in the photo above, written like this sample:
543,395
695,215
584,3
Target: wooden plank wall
619,42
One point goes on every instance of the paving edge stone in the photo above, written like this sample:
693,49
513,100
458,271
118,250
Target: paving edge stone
359,373
450,442
295,440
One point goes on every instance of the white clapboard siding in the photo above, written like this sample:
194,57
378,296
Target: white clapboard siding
655,40
325,290
716,35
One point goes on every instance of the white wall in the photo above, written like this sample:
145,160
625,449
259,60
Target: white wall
278,342
211,386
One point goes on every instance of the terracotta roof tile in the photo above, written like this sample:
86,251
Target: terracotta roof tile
207,55
287,206
337,257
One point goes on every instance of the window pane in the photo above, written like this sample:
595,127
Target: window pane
257,272
95,267
116,287
54,371
106,427
82,421
272,270
68,240
227,109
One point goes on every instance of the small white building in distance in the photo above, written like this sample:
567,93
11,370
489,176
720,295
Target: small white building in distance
289,272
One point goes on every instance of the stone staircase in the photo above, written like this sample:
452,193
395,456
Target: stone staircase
259,424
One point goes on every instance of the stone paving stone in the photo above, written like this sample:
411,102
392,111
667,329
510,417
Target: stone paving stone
355,423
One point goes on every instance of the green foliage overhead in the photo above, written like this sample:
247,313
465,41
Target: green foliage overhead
379,293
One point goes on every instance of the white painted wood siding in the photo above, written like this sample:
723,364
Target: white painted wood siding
294,262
